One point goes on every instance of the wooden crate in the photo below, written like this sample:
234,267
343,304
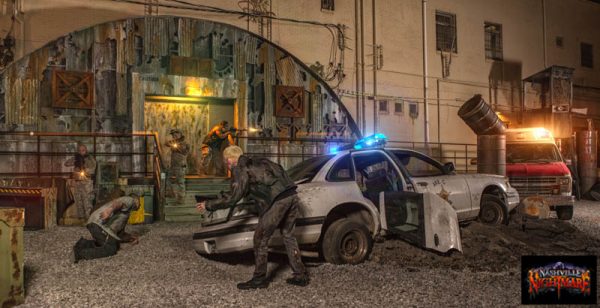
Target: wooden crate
39,203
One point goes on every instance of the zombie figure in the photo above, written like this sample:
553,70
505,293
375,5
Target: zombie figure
81,185
275,195
107,227
179,151
203,163
217,139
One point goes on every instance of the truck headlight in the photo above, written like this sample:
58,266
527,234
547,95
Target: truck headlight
564,181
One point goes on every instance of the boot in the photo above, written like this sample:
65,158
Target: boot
254,283
298,280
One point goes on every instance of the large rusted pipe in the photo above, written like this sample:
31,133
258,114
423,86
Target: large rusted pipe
480,117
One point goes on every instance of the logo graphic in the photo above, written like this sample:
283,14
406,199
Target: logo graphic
558,280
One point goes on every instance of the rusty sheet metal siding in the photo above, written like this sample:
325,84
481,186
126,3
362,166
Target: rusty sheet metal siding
39,203
288,72
12,291
156,36
251,49
239,60
267,55
186,36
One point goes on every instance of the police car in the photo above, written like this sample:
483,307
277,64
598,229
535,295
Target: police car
367,190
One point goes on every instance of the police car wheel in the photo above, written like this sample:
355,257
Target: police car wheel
492,210
346,242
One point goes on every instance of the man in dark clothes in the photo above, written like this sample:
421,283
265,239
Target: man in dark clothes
216,139
275,194
107,227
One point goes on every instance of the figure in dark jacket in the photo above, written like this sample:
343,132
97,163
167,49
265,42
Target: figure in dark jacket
275,194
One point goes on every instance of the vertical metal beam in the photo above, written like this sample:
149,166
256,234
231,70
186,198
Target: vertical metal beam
375,67
362,68
425,81
357,65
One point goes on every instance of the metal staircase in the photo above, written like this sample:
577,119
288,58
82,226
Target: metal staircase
186,212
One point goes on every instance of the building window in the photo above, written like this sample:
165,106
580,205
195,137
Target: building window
587,55
383,106
493,41
399,107
413,110
445,31
559,41
327,5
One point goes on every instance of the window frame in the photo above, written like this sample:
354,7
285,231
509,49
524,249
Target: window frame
401,103
352,178
583,60
493,52
326,8
420,156
453,27
387,106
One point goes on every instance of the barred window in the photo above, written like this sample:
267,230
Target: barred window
327,5
587,55
445,31
399,107
493,41
383,106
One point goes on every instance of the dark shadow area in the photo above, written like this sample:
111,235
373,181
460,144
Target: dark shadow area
29,272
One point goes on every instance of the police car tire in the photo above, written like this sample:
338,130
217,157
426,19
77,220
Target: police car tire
492,203
346,242
564,212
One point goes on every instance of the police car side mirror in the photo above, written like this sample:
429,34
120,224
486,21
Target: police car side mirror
449,168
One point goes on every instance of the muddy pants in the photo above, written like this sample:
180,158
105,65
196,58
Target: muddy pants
282,214
178,183
214,163
83,195
102,245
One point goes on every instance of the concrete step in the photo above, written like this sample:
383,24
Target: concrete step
184,218
177,210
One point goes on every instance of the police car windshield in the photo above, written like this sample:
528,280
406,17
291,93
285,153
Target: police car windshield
307,169
532,153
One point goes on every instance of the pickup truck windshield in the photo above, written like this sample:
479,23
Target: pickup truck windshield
307,169
532,153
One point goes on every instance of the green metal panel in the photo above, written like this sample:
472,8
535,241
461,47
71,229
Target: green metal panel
12,292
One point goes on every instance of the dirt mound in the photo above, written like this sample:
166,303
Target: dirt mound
494,248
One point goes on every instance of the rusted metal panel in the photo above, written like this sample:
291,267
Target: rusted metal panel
288,72
39,204
72,90
12,291
186,36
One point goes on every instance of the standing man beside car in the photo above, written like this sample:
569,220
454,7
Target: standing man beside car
81,185
275,194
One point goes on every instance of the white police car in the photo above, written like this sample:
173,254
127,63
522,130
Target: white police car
356,194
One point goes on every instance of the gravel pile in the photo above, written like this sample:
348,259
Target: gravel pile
164,270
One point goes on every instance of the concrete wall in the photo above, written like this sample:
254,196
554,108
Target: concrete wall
398,29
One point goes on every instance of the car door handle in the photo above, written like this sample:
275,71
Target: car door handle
422,183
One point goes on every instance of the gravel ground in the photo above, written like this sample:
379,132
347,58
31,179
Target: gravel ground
164,270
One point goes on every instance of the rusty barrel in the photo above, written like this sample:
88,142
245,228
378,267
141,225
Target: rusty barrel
491,154
12,291
587,144
480,117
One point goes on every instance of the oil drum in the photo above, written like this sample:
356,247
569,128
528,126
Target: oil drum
587,143
491,154
480,117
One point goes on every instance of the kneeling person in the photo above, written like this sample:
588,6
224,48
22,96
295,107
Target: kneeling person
107,227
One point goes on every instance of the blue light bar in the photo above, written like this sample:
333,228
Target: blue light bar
377,140
334,150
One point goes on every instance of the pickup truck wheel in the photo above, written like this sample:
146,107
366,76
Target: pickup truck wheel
564,212
346,242
492,210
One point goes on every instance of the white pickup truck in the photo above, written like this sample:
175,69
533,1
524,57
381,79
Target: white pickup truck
350,197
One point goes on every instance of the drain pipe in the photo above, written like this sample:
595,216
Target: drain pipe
362,68
425,82
544,32
357,66
375,102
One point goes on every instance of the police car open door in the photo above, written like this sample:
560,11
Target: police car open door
424,219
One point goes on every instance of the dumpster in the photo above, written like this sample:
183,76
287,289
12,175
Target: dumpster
12,292
38,202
